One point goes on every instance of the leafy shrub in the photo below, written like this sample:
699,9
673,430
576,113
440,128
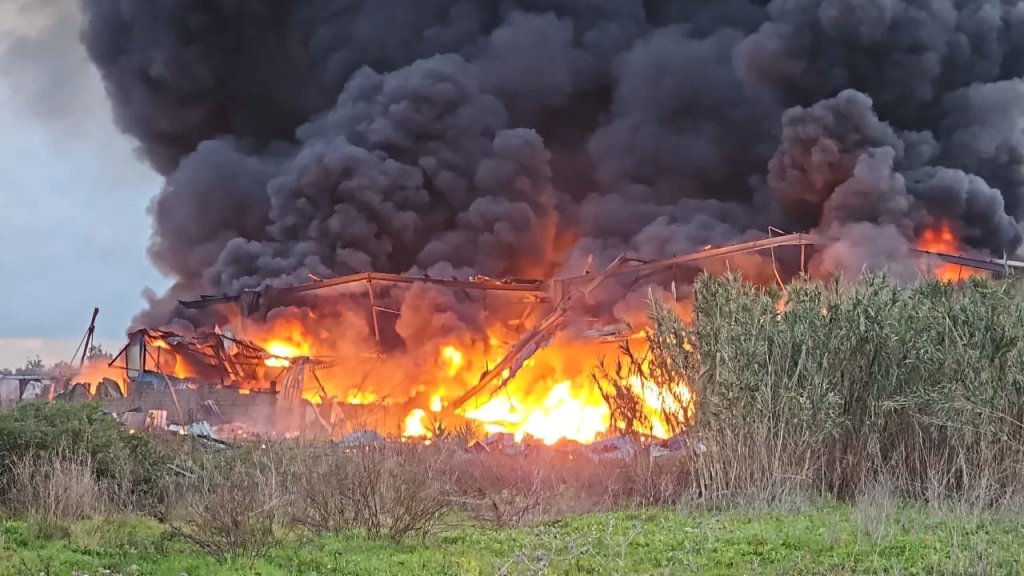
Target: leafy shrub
126,463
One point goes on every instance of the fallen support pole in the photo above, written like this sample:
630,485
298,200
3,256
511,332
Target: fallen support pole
981,263
535,339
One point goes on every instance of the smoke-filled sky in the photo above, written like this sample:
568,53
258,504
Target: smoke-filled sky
73,195
519,137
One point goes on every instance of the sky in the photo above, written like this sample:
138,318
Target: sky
73,193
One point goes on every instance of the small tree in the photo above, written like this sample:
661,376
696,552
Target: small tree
674,365
33,365
626,406
666,370
96,353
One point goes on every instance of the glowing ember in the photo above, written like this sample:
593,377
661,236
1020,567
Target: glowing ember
943,240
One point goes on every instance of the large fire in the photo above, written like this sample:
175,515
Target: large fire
415,387
95,371
552,397
942,239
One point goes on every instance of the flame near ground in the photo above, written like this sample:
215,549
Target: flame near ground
551,398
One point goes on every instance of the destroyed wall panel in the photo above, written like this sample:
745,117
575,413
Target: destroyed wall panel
10,392
255,408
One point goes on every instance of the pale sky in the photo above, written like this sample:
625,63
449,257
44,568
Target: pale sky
73,194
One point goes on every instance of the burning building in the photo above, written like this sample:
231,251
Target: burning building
536,383
405,154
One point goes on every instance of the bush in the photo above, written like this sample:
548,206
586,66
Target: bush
323,503
128,465
236,501
397,491
505,490
836,388
54,487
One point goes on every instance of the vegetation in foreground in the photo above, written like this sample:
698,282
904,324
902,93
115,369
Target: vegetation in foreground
872,538
859,396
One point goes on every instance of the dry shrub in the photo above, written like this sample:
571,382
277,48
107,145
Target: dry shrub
240,502
237,502
647,482
754,465
56,486
397,491
503,489
875,509
323,504
388,491
516,489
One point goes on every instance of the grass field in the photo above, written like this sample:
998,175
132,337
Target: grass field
829,539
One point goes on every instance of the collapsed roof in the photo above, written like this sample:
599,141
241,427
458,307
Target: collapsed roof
210,356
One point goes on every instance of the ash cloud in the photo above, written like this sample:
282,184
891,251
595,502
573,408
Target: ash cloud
518,137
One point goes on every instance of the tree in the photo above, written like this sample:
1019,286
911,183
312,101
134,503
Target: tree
97,353
33,365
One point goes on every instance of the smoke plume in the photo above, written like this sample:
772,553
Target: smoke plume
519,137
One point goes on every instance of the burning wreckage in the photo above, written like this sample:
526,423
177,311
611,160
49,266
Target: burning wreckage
531,381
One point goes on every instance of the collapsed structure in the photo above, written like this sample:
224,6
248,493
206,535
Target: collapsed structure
215,376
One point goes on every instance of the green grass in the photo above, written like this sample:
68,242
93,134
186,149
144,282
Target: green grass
831,539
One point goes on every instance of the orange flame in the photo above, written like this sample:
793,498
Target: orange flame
282,352
563,413
538,403
942,239
166,360
94,371
552,396
414,424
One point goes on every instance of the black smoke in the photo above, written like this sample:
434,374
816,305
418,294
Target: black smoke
518,137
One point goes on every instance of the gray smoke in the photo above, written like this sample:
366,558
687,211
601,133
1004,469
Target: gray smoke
42,65
519,137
